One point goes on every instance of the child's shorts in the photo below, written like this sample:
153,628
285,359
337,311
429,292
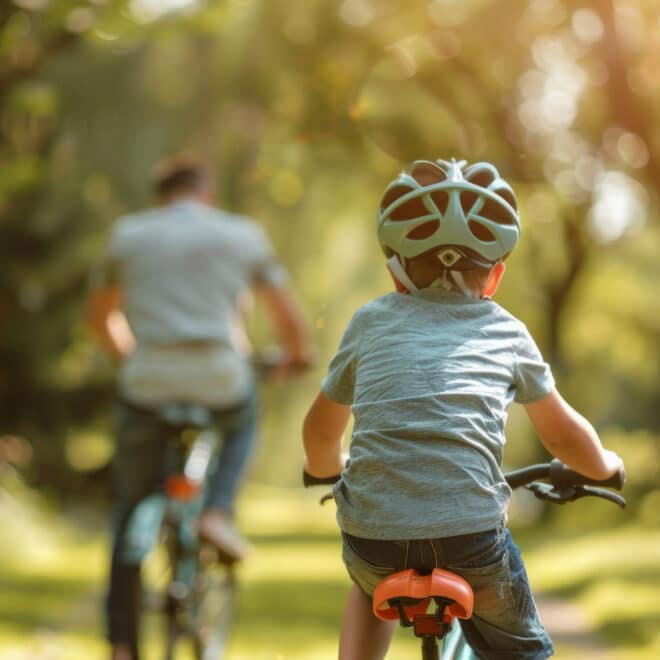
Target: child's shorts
505,624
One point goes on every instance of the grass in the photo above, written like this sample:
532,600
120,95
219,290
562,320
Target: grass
292,589
295,586
50,575
614,576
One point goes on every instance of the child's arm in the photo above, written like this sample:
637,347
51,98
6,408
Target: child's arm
571,438
323,429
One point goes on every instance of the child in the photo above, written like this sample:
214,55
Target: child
430,372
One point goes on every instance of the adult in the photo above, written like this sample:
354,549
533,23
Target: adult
167,305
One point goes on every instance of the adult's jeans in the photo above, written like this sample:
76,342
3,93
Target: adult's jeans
141,465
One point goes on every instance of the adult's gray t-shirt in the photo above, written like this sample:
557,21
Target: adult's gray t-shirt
430,377
183,268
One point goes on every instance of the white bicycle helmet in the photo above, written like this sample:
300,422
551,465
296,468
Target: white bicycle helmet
469,210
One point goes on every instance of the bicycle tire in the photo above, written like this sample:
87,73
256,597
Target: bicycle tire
158,570
215,605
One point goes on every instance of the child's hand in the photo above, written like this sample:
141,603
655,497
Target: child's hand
613,462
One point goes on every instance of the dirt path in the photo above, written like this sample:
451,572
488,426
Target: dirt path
573,634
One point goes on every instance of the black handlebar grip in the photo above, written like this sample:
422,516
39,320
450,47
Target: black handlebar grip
562,476
309,480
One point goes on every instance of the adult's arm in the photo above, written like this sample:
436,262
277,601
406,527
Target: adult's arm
288,322
106,319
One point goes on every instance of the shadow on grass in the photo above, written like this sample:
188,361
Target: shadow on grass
623,627
637,631
272,609
31,602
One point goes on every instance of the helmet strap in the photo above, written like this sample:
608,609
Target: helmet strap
457,276
404,284
400,276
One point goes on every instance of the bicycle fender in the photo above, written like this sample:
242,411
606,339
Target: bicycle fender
143,529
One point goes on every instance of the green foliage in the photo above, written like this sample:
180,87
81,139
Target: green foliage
306,110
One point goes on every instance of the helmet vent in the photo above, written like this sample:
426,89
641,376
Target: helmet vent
468,200
496,212
482,233
392,194
424,230
481,175
427,173
413,208
509,197
441,200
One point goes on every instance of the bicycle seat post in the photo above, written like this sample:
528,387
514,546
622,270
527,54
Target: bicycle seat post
429,647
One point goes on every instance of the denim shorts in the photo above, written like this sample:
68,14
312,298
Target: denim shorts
505,624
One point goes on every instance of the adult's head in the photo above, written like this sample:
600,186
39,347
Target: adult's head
182,176
448,223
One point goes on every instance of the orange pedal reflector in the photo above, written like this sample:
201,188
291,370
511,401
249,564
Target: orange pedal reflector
181,488
410,584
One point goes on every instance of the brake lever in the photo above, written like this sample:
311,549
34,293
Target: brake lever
571,493
547,492
326,498
603,493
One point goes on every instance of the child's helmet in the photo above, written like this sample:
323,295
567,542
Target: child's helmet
435,204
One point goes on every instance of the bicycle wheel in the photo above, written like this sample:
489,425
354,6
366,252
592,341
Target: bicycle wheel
160,603
215,602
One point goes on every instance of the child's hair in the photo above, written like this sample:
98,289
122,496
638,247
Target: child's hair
447,223
425,270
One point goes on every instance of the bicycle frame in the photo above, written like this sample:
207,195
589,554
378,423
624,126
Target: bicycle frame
180,501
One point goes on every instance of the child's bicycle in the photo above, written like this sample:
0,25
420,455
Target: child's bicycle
429,603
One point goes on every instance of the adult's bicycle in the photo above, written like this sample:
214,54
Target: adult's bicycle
430,603
189,584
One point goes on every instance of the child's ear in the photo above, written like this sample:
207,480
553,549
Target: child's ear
494,279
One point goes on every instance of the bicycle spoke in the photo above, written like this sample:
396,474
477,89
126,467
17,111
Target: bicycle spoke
216,595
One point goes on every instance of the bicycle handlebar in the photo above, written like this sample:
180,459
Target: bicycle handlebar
565,485
561,476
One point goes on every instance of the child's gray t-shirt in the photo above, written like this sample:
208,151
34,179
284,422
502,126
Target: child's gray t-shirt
430,377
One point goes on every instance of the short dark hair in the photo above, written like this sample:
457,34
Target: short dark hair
179,174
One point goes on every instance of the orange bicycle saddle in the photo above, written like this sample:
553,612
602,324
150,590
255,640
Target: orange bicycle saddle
417,591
